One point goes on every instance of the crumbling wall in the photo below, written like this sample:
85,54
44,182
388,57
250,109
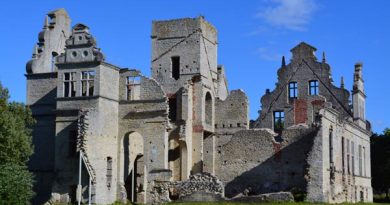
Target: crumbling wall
198,187
231,114
259,161
147,116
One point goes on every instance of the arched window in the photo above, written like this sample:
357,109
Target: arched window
208,109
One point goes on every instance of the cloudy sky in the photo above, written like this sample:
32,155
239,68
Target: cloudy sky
253,37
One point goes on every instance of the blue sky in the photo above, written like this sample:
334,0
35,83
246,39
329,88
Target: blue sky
253,36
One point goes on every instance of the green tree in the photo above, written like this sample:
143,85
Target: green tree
15,150
380,162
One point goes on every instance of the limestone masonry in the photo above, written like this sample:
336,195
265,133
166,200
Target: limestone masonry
181,134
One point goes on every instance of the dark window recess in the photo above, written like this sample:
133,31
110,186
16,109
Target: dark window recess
278,121
293,90
208,109
175,67
342,154
331,147
172,109
109,172
313,87
72,149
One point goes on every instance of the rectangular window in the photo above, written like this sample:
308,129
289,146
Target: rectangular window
331,146
278,121
342,154
293,90
175,61
348,157
109,172
353,157
172,108
87,83
133,84
69,84
364,162
360,161
313,87
72,143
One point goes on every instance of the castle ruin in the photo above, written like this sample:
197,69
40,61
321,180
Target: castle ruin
111,134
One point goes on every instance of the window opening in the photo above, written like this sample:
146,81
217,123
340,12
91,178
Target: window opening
87,83
69,84
313,87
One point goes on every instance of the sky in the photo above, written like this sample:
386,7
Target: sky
253,35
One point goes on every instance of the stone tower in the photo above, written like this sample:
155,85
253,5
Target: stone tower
359,96
51,42
184,62
181,49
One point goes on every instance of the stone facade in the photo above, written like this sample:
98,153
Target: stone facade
140,139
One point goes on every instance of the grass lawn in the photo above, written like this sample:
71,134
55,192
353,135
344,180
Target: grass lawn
236,203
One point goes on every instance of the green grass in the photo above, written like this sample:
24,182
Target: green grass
236,203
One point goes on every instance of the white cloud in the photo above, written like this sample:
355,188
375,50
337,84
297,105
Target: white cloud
289,14
269,54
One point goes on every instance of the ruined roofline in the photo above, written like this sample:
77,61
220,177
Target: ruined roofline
200,17
167,28
61,11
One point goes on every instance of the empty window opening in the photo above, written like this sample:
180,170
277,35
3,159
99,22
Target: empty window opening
313,87
331,146
364,162
87,83
109,172
348,157
278,121
172,108
238,125
69,84
293,90
72,143
175,61
360,161
353,157
53,61
208,109
133,85
342,154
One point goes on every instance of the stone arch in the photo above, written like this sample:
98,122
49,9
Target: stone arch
208,109
132,167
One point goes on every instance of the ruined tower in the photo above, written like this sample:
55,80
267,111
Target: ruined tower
184,62
359,97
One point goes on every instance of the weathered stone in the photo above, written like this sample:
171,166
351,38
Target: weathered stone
151,139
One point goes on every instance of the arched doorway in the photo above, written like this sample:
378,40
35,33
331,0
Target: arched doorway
133,166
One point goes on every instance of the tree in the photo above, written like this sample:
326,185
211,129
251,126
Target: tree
380,162
15,150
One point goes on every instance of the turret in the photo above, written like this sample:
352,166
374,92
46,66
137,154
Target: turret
359,97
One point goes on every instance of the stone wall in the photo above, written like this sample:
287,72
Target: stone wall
41,94
263,162
232,114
